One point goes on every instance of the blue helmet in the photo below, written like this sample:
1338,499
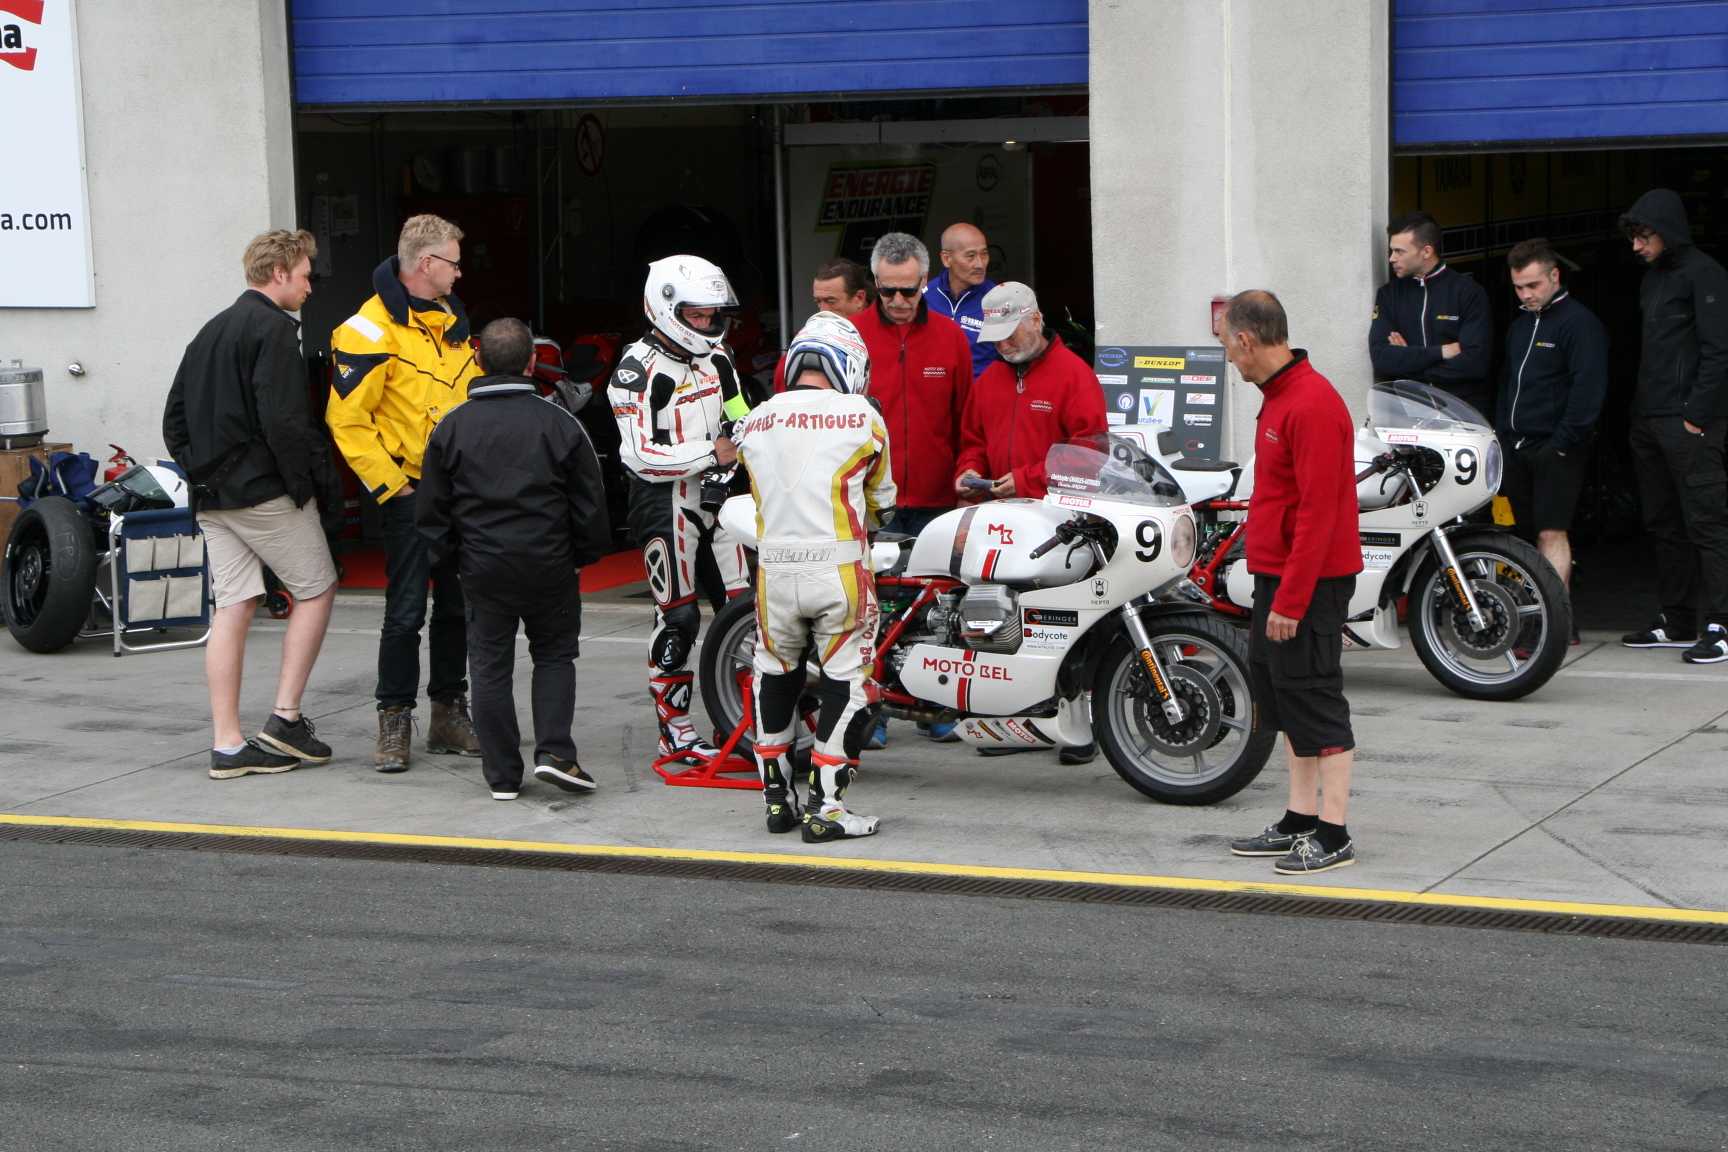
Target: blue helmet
829,344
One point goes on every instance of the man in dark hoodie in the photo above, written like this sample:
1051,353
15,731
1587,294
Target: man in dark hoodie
402,362
1679,417
510,491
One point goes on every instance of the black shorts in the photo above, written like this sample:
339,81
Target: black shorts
1543,487
1299,684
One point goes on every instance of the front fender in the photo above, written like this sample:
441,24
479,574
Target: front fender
1080,666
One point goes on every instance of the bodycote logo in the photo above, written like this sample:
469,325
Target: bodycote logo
12,49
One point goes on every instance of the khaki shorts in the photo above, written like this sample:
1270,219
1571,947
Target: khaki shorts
241,541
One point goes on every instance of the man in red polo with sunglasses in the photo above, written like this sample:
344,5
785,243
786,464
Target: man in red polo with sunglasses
920,374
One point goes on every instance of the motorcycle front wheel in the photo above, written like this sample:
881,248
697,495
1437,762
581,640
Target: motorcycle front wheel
1527,619
1218,748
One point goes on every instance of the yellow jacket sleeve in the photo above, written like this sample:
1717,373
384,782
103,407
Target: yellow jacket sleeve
362,351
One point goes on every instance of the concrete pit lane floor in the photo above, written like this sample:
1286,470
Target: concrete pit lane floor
1604,788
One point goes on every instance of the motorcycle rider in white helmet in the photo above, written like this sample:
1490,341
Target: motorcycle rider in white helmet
675,396
817,455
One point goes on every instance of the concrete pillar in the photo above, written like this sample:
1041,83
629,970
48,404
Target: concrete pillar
189,152
1241,144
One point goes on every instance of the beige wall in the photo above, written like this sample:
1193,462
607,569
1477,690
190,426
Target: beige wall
188,150
1240,144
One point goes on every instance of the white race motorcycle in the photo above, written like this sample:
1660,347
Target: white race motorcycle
1488,616
1006,616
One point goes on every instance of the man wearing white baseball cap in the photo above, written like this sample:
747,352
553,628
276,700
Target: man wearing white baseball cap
1038,394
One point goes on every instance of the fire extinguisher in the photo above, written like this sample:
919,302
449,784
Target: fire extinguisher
117,464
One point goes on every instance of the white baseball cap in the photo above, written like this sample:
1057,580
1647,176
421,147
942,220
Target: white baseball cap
1004,307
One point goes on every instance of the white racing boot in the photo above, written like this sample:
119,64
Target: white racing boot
826,816
672,706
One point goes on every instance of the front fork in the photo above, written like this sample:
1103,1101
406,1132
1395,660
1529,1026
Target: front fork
1462,594
1173,710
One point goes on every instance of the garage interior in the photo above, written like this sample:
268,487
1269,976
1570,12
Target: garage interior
1488,201
564,207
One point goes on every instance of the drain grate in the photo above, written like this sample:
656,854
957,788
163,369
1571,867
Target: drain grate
1312,907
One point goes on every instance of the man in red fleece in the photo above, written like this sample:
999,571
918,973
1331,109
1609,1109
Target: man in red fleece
1304,552
1038,394
920,374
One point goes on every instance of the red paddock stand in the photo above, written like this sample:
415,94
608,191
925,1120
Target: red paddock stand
724,769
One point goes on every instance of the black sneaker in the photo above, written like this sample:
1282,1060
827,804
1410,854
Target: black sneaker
505,792
565,774
252,759
1660,635
1712,647
1307,857
296,738
1077,754
1270,842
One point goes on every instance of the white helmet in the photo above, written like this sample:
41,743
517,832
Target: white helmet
829,344
679,282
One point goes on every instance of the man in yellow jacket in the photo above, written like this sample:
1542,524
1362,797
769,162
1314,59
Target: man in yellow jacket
402,362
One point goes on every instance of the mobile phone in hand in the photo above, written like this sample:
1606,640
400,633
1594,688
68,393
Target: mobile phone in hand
979,483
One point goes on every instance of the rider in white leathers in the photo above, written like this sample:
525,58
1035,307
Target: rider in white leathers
818,461
675,395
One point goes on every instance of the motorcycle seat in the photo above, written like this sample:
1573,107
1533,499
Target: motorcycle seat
1187,464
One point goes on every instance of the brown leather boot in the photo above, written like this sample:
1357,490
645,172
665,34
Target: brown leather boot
452,731
395,736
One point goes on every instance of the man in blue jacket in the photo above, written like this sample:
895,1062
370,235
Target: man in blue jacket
1430,323
958,291
1550,400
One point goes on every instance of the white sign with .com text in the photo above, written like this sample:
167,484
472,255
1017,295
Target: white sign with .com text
44,202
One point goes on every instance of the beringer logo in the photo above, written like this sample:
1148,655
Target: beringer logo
12,49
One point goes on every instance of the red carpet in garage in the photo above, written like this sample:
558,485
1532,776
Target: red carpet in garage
364,568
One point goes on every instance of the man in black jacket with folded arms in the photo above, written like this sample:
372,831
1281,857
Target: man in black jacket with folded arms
239,423
511,487
1556,380
1430,322
1679,418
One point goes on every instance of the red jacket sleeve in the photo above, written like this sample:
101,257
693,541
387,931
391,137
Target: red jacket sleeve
1081,419
780,374
1318,441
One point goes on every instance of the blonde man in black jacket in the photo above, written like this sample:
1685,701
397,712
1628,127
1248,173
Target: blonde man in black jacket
239,423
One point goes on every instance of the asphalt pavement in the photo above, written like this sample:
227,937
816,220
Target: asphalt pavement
186,1001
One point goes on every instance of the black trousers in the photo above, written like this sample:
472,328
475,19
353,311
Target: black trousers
1684,493
554,626
408,569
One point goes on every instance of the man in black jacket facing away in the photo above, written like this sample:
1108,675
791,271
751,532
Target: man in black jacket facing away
239,423
1556,380
1430,323
1679,417
510,487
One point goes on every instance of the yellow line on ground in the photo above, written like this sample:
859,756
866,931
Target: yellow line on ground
899,867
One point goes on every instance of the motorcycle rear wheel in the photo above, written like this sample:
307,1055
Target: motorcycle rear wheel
1511,579
729,652
1213,754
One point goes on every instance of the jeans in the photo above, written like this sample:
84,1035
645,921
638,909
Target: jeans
553,629
1684,493
408,569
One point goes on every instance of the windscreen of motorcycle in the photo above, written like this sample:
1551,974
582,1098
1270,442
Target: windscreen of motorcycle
1413,404
1120,471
